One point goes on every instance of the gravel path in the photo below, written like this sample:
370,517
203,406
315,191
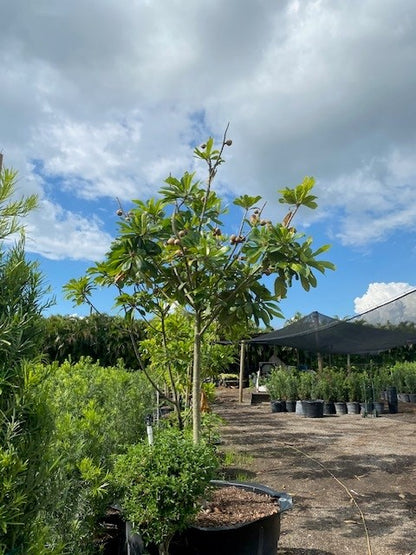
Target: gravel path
353,479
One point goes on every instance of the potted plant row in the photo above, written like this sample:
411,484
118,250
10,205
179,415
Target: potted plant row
403,377
282,386
339,391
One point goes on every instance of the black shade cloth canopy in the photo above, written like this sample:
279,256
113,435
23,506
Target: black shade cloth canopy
319,333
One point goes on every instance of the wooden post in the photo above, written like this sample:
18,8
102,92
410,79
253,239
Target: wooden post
241,380
319,355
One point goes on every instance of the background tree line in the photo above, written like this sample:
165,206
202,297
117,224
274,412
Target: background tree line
107,339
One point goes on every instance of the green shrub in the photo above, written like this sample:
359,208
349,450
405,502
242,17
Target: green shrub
210,391
96,413
410,382
353,383
292,385
327,384
403,376
340,387
159,485
307,385
25,466
277,384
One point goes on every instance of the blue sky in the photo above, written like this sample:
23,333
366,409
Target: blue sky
103,100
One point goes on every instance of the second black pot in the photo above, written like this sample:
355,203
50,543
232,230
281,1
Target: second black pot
259,537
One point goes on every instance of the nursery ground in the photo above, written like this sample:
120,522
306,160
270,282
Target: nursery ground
352,479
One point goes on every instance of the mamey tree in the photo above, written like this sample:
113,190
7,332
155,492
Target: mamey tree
173,250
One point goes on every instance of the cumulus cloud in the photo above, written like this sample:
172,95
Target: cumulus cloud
110,97
57,234
376,200
401,309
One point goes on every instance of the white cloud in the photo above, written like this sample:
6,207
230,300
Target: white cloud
91,159
110,96
403,309
376,200
58,234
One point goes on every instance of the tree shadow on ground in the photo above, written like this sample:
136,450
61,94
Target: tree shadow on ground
380,512
299,551
239,474
266,444
350,466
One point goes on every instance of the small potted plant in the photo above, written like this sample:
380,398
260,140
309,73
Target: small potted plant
410,384
276,386
377,384
311,407
327,389
292,383
158,485
341,394
162,488
367,393
353,386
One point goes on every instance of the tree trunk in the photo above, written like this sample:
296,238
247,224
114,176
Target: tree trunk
196,381
163,547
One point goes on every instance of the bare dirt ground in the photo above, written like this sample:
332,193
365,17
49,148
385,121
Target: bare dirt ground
352,479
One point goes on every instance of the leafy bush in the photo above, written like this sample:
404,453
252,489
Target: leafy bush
277,384
353,383
403,376
96,412
307,385
160,484
292,382
24,469
410,382
24,420
326,387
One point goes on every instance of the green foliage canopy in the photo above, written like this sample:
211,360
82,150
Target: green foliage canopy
101,337
174,250
160,483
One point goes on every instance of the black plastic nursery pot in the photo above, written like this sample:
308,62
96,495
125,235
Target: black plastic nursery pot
290,405
313,409
366,407
378,407
340,408
258,537
259,397
329,408
278,406
392,401
353,407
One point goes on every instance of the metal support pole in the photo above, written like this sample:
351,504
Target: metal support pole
241,380
149,428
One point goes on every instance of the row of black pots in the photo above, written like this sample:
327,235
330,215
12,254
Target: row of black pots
407,397
318,408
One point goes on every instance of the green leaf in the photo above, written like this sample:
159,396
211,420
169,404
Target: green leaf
280,288
246,201
299,196
322,249
305,283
